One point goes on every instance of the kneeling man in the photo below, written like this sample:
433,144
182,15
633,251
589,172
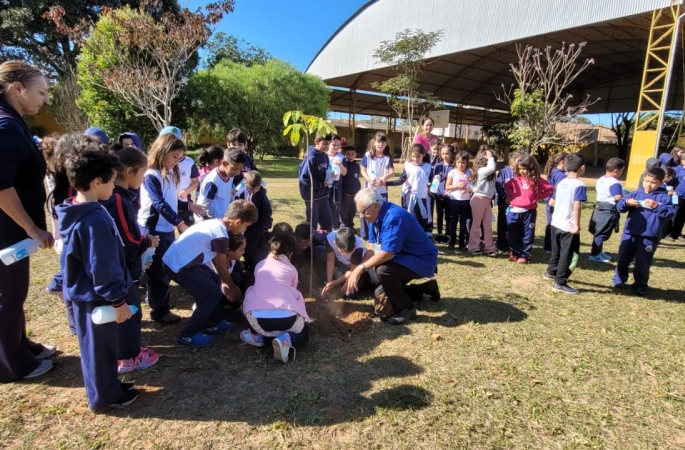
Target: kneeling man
402,252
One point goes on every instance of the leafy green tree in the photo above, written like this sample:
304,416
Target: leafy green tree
225,47
27,33
251,98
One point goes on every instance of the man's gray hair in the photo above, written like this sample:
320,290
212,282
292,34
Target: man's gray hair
369,196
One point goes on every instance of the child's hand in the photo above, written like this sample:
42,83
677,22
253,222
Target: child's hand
226,290
182,194
575,229
197,209
632,202
327,288
154,241
123,313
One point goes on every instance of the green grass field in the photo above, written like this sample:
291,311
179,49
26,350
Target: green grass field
501,362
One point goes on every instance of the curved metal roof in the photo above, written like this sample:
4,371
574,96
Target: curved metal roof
479,43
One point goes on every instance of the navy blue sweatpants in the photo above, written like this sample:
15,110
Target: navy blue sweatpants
129,331
319,214
99,345
204,285
17,359
157,279
521,232
639,249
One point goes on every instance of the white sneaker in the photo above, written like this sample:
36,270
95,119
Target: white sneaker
48,351
282,345
599,258
44,367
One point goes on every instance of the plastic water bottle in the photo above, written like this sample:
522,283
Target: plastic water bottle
336,170
329,175
106,314
435,184
674,197
372,175
240,186
146,257
19,251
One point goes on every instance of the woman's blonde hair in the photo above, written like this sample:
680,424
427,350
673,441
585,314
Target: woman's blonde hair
17,71
162,146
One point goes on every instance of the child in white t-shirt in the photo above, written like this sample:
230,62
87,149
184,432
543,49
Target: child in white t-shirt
567,200
604,220
457,186
414,181
344,252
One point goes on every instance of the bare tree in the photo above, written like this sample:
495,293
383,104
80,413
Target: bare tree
539,99
142,56
622,125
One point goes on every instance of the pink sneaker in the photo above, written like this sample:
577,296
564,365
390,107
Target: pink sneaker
145,359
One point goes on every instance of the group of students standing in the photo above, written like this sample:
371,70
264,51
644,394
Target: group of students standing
437,181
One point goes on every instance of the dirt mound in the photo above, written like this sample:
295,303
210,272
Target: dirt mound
344,317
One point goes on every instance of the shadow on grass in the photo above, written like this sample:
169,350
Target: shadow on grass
442,260
668,263
477,310
667,295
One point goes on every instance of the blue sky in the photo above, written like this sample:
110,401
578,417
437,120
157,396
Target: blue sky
291,30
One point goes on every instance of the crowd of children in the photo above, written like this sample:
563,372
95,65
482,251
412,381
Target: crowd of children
114,206
117,211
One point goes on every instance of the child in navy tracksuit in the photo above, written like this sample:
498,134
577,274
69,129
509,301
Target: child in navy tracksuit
679,219
605,217
504,175
121,206
648,210
441,199
350,186
95,274
256,232
158,215
313,172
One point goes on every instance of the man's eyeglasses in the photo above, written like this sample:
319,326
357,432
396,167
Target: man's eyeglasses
363,211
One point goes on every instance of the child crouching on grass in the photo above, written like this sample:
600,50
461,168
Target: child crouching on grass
187,262
273,306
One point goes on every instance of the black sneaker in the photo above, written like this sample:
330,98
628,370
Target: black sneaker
403,317
547,276
446,239
169,319
640,291
127,386
127,399
431,288
565,288
618,285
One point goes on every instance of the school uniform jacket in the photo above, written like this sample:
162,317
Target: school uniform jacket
316,162
121,207
646,222
264,213
92,260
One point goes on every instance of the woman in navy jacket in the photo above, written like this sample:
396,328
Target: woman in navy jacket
23,90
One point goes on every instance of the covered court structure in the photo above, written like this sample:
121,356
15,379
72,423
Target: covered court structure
636,46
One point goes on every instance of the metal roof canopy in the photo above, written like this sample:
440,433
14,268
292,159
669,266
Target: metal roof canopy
377,105
472,76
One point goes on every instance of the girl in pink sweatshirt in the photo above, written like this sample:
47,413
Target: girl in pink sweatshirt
523,192
273,306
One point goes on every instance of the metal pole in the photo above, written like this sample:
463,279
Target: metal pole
674,44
